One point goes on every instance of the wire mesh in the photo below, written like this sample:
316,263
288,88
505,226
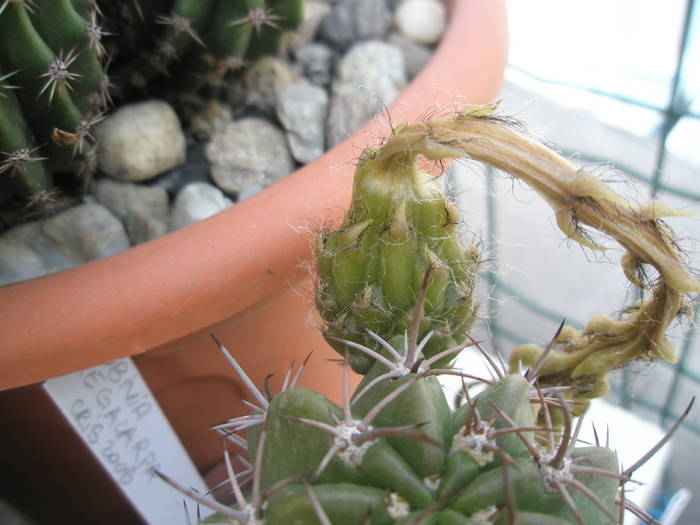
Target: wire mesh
663,405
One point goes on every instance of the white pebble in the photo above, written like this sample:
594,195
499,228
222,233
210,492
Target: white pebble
422,21
139,141
249,191
195,202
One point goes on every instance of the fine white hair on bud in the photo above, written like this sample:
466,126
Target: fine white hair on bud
397,506
477,444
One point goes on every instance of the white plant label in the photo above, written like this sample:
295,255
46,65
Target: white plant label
114,412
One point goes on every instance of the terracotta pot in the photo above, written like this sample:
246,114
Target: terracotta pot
242,274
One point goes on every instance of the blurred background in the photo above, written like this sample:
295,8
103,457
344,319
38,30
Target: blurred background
614,87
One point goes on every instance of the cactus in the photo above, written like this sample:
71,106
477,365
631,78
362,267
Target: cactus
56,53
399,229
394,451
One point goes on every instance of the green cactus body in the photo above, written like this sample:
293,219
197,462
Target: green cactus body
511,395
21,170
58,77
370,271
423,402
235,33
394,289
288,447
65,31
183,28
532,518
232,28
381,481
82,7
284,15
45,96
533,495
344,504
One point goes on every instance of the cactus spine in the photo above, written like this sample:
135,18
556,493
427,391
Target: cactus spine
394,452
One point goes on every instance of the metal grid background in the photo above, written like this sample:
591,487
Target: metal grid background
664,405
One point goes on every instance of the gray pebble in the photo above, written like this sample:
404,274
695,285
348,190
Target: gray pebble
249,191
415,55
195,202
139,141
18,261
370,75
210,116
142,209
353,20
302,108
316,61
142,226
86,233
196,169
314,13
78,235
265,78
422,21
375,65
246,152
32,236
123,197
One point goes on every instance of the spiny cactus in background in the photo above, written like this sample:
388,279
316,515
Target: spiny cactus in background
394,451
197,42
55,56
46,53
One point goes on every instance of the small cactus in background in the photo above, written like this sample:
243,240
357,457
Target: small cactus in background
55,57
394,451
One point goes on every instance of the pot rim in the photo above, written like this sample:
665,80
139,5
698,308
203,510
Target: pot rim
155,293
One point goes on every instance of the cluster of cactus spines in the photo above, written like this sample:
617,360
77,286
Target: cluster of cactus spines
394,451
21,164
57,54
54,57
407,461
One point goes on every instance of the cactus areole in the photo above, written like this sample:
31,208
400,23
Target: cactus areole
395,290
